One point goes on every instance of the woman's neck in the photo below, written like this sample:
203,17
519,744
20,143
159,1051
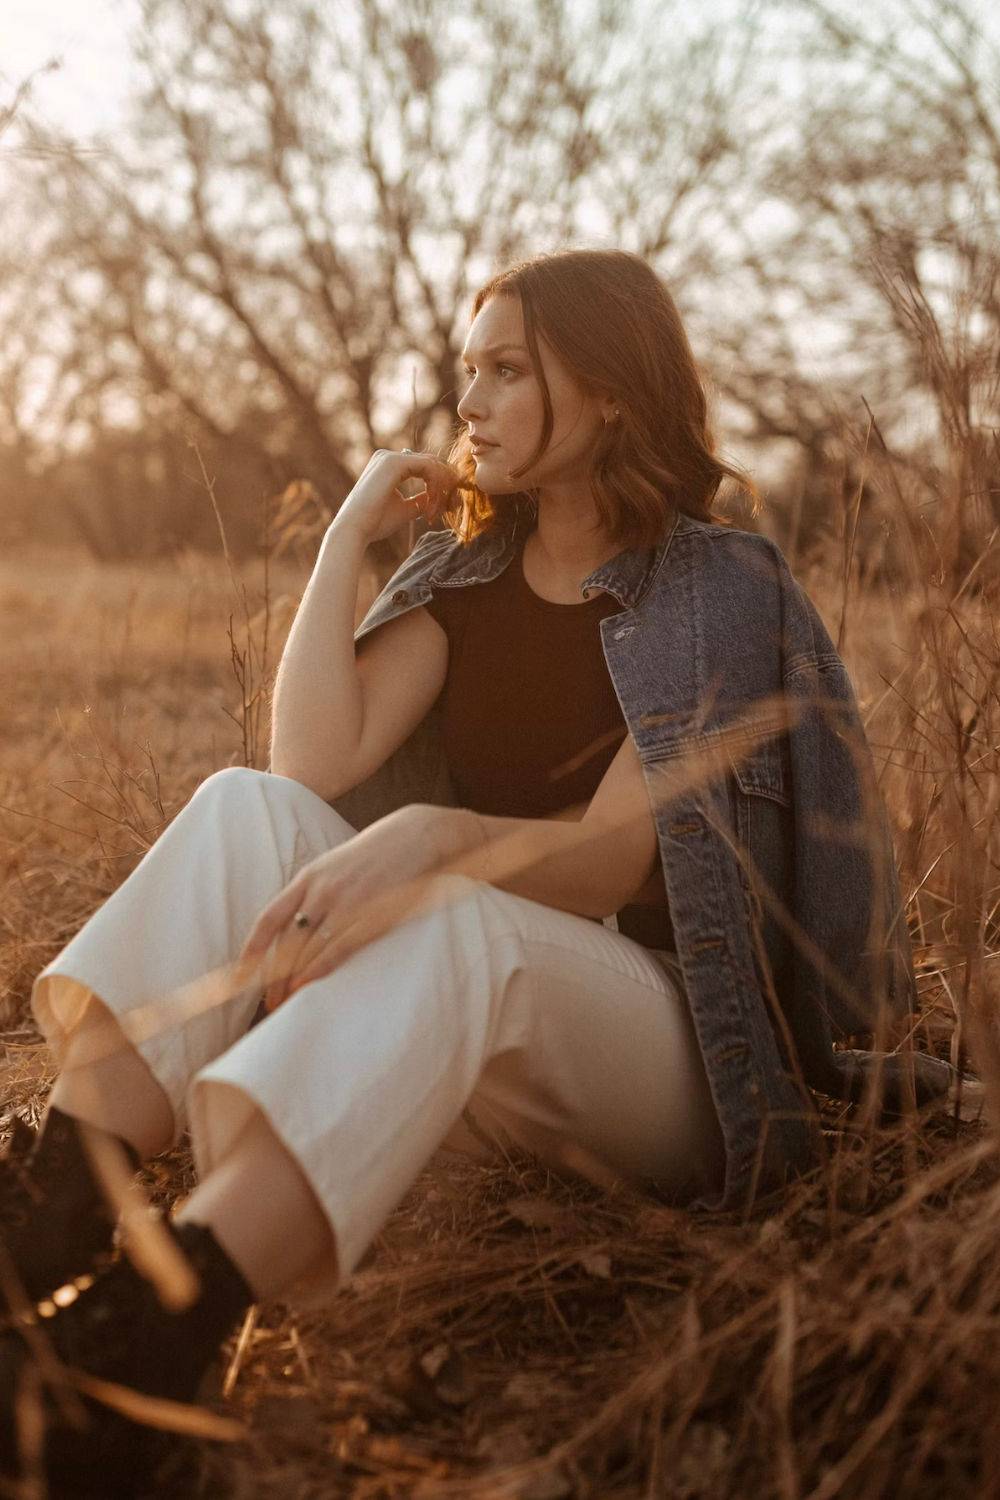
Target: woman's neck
565,550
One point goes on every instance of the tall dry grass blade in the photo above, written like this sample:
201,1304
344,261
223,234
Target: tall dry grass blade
29,1425
159,1411
782,1390
239,1353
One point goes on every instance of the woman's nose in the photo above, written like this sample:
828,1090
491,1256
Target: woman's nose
468,409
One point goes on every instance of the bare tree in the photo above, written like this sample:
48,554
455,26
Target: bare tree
893,181
35,349
280,245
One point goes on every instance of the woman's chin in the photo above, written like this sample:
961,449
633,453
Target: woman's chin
499,485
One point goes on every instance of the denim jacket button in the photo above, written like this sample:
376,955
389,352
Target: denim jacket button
400,596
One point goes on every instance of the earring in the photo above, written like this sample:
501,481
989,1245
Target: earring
608,419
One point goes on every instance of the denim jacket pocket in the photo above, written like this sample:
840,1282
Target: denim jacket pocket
764,771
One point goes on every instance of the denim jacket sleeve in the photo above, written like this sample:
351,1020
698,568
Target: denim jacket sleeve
852,964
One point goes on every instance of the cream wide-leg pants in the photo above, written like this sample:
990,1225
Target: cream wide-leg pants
543,1025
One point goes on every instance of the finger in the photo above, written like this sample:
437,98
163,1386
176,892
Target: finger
317,938
281,973
372,919
430,500
311,942
276,916
281,957
274,997
335,948
301,946
439,477
450,479
379,916
272,970
337,952
427,464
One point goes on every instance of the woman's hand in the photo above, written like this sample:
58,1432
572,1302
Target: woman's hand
377,507
352,895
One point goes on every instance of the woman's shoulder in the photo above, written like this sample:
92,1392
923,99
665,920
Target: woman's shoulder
727,540
433,544
443,553
721,556
421,560
745,589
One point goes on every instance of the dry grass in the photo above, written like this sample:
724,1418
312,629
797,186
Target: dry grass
512,1333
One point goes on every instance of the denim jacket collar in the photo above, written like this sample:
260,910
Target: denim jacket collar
627,576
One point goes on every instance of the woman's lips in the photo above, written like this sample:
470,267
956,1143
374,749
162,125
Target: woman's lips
478,448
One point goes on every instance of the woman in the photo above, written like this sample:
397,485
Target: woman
585,702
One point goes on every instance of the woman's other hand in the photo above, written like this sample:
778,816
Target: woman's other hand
352,895
377,507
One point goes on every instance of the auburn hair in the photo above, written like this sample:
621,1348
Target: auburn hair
614,324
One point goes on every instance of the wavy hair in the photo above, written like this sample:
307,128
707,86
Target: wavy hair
612,321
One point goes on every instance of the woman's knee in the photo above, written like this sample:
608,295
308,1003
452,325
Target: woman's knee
238,783
230,784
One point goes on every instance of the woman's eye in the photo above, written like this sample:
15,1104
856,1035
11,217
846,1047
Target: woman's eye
470,373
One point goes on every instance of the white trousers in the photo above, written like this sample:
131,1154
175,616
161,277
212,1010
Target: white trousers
542,1025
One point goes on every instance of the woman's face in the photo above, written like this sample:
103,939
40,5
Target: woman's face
502,403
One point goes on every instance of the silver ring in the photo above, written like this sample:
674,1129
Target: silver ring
406,450
301,919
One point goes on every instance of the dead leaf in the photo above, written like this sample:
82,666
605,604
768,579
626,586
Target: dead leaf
533,1389
973,1100
403,1378
432,1361
432,1383
541,1213
392,1450
449,1373
597,1262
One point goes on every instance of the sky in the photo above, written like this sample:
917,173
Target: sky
87,94
90,38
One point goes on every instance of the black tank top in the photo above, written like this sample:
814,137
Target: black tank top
530,717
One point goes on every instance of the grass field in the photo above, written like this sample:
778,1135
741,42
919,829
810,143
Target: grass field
511,1333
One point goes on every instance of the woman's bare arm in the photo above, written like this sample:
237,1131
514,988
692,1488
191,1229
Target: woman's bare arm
591,865
317,709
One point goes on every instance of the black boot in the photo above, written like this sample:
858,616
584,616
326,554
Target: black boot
55,1222
119,1331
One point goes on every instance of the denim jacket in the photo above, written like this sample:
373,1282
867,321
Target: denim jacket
777,857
